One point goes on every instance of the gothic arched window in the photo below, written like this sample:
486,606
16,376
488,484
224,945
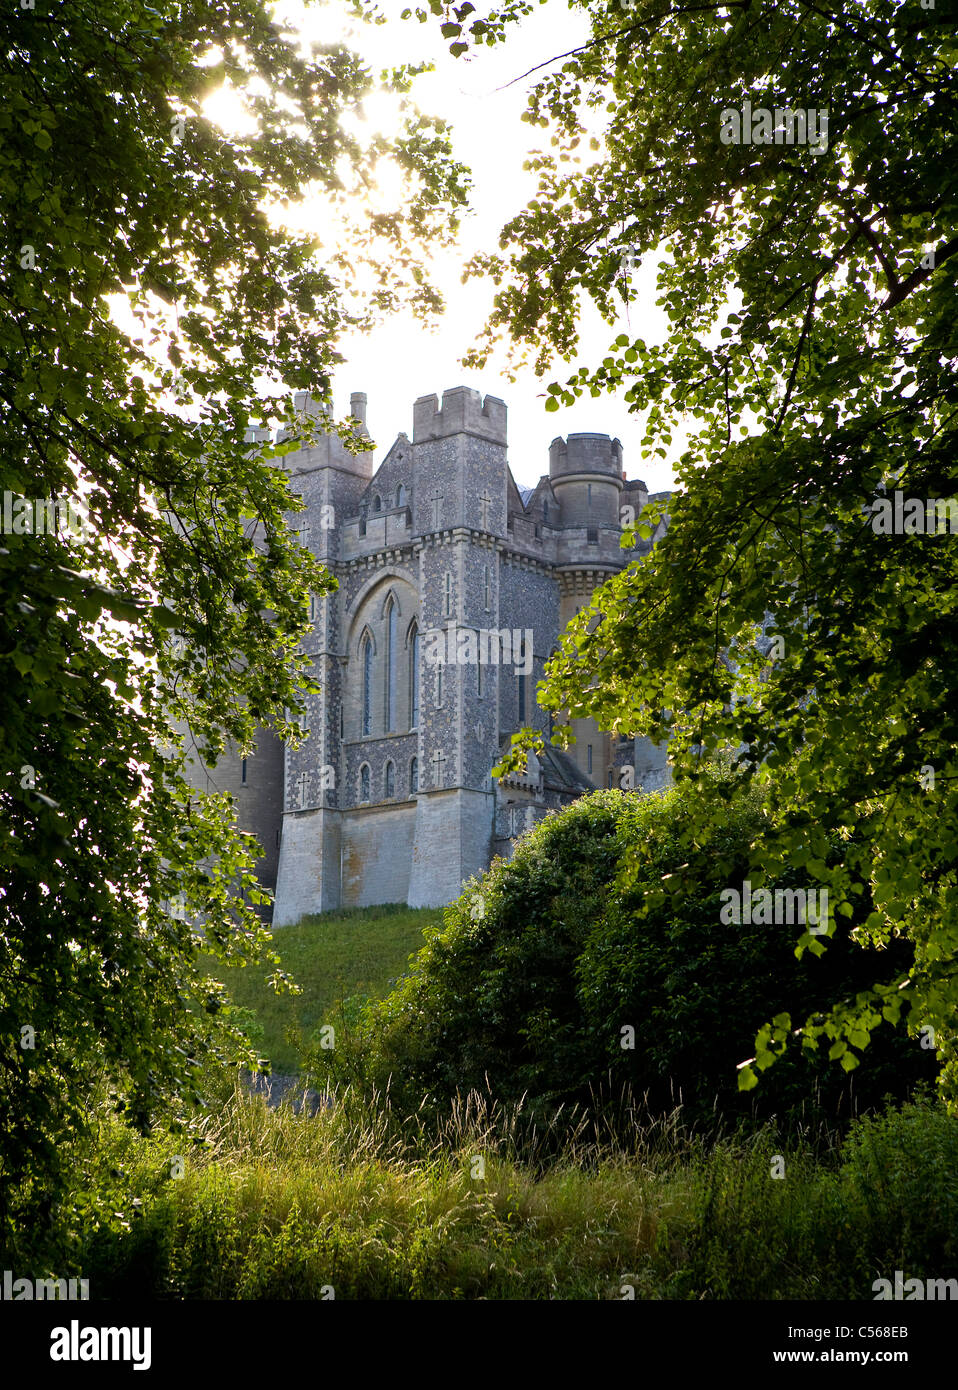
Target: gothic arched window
364,782
414,678
377,503
366,656
400,496
392,660
389,783
448,595
414,776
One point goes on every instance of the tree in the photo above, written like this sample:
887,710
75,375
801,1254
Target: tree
550,982
808,274
112,182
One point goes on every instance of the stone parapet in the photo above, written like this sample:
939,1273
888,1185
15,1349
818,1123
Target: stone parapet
463,411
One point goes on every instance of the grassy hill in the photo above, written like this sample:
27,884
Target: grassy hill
352,955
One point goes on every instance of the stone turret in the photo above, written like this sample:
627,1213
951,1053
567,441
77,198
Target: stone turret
586,475
587,480
330,481
460,508
324,449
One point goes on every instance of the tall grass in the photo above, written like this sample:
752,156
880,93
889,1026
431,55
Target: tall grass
364,1204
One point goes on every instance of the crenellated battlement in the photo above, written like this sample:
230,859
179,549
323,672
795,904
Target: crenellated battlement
463,411
585,453
326,449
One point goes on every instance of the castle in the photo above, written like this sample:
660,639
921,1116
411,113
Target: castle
454,586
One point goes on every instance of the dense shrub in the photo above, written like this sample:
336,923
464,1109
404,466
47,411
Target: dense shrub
608,919
886,1201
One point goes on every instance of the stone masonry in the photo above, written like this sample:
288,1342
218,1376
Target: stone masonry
390,797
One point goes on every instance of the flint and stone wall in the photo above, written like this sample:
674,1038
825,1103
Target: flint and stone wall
439,533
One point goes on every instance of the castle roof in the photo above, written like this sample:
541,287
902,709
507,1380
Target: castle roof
559,773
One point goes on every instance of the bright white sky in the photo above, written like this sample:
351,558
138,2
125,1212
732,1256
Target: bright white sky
402,359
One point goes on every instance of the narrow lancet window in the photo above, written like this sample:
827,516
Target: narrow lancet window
392,659
414,681
366,652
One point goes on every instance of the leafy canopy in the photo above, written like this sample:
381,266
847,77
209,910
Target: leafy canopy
810,356
115,190
554,980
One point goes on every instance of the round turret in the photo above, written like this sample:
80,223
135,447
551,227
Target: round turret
586,474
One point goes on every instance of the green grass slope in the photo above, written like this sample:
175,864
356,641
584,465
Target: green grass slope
349,956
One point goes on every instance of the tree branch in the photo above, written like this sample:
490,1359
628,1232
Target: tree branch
904,287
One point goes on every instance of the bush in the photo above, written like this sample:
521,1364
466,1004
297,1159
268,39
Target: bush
885,1200
541,969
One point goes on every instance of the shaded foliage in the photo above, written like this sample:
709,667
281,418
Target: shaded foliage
569,972
810,360
113,182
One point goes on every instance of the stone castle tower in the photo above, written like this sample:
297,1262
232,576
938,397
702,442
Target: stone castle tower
454,586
